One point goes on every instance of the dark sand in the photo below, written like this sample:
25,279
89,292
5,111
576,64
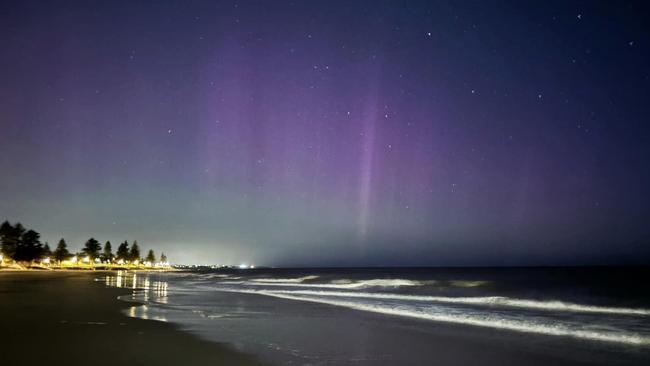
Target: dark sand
67,318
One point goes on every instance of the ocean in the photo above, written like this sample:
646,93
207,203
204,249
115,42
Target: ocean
389,316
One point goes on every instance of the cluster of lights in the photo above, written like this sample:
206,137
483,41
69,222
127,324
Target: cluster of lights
74,260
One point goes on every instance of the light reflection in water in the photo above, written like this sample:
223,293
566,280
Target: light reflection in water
144,289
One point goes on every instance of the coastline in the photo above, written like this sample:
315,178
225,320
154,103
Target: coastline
57,316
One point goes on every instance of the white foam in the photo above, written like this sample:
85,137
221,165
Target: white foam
488,301
285,280
488,321
351,285
468,283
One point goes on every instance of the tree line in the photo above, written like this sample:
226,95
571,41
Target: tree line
22,245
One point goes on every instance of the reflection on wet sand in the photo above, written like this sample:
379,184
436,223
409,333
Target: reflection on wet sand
144,289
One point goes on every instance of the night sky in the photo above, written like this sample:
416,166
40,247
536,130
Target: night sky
331,133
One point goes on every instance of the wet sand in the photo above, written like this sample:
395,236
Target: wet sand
66,317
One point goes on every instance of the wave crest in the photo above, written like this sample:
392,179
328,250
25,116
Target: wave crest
493,321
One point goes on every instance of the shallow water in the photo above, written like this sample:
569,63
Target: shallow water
323,316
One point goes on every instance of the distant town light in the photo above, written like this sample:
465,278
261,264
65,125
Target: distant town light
86,259
46,260
121,261
74,259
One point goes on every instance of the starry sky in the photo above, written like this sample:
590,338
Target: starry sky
331,133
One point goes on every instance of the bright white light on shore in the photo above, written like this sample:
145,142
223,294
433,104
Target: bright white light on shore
243,266
74,259
97,260
121,261
46,260
136,262
86,259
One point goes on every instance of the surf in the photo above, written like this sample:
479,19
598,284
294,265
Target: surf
483,320
553,305
339,285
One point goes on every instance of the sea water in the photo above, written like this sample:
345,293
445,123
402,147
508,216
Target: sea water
407,315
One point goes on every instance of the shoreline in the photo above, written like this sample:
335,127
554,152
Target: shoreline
65,316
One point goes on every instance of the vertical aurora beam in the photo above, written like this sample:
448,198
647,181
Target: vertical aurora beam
366,166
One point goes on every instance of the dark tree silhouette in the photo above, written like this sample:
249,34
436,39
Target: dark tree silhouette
29,247
92,248
61,252
150,256
24,245
107,255
8,240
47,252
11,237
134,254
123,251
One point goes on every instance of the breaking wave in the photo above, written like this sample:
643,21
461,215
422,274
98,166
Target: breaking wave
480,319
340,284
285,280
487,300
